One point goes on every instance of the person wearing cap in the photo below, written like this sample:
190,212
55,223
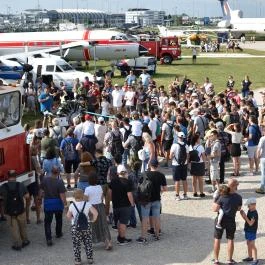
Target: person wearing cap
16,222
100,131
120,190
117,98
153,208
180,170
88,126
230,204
251,227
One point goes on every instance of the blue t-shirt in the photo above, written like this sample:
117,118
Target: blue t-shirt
253,130
46,105
130,79
254,227
48,165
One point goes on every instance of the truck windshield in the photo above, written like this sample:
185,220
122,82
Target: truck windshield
9,109
66,67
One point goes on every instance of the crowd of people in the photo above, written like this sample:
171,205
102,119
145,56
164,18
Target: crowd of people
114,156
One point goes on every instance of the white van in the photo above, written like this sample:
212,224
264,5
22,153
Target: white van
55,69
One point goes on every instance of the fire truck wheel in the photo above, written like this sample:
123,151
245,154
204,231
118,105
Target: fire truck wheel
167,59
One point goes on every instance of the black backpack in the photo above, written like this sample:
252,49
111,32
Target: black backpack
80,222
144,189
116,144
14,204
127,133
182,154
137,144
58,137
194,155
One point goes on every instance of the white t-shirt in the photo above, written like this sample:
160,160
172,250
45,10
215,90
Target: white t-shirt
105,108
208,87
200,150
129,97
100,132
88,128
163,101
153,126
79,206
136,127
117,96
236,136
175,150
78,131
94,194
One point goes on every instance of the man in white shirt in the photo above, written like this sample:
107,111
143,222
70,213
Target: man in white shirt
153,126
117,97
208,86
145,78
179,153
88,126
129,98
136,125
78,127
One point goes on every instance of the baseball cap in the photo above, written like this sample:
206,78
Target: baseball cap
181,135
194,95
116,85
121,168
251,200
88,117
154,162
100,119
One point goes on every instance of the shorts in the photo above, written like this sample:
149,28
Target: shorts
153,208
167,144
69,164
229,227
197,169
180,172
122,215
252,151
214,171
33,189
235,150
251,236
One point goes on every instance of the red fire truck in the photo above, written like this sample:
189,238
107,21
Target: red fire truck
14,152
166,49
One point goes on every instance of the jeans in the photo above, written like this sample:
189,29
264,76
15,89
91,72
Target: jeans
262,169
222,169
245,93
48,221
133,220
82,185
125,156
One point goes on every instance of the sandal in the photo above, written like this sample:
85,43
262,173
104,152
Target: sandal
108,248
230,262
216,262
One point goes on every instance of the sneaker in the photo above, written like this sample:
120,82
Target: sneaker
156,238
68,187
202,195
248,259
207,181
49,243
59,235
132,226
230,262
218,226
255,262
25,243
178,198
141,240
17,248
251,174
195,194
185,197
260,191
151,231
123,241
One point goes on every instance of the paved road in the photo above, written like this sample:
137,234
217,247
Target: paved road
187,235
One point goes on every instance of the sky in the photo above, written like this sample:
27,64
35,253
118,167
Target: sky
199,8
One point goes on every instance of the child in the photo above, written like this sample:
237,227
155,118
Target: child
251,227
84,236
222,191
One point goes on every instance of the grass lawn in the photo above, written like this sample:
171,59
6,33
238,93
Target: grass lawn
217,69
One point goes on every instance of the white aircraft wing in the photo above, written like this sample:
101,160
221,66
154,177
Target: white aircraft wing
61,50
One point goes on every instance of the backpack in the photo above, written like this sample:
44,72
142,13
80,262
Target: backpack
14,204
116,144
127,133
170,131
257,135
182,154
144,189
80,222
69,151
194,155
58,137
137,144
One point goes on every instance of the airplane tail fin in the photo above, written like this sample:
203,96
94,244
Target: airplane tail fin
225,8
